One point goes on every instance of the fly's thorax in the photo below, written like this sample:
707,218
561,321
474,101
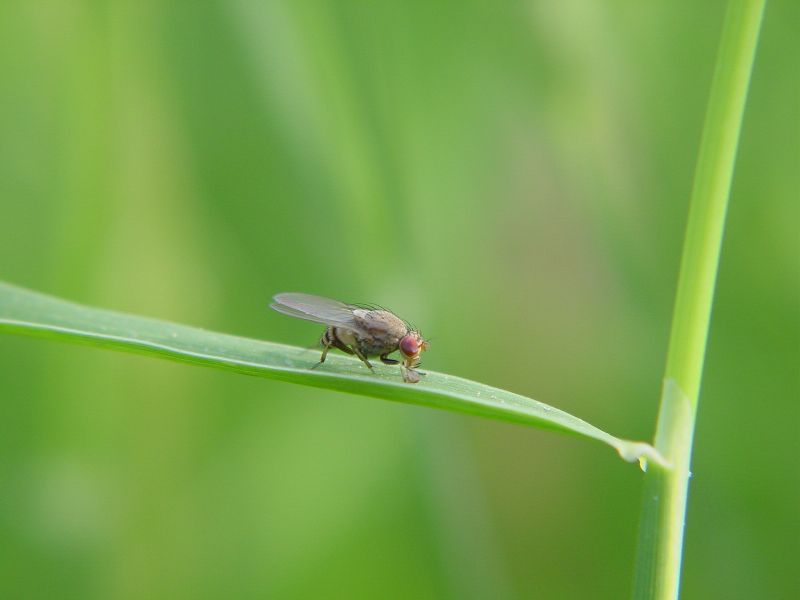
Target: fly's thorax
380,331
380,322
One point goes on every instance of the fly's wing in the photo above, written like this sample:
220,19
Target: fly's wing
317,309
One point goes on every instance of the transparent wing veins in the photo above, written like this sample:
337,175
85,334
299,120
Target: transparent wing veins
316,309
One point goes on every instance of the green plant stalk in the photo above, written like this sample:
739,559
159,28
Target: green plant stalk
660,544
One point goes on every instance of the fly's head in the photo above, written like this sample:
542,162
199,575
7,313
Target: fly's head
411,346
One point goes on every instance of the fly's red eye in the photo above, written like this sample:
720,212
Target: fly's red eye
409,345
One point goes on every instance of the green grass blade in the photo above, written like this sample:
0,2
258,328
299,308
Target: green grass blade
659,553
31,313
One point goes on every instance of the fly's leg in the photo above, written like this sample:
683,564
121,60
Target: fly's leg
363,358
325,349
388,361
330,340
327,340
342,347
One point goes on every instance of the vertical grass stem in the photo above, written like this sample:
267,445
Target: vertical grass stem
660,544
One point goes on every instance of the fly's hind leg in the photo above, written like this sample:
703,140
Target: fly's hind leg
327,340
325,349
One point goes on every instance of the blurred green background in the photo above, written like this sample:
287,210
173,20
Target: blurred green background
513,177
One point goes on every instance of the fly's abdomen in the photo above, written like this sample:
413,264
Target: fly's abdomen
377,345
328,337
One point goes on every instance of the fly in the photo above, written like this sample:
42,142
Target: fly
361,330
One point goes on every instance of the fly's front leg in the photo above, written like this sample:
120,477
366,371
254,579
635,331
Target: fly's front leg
388,361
